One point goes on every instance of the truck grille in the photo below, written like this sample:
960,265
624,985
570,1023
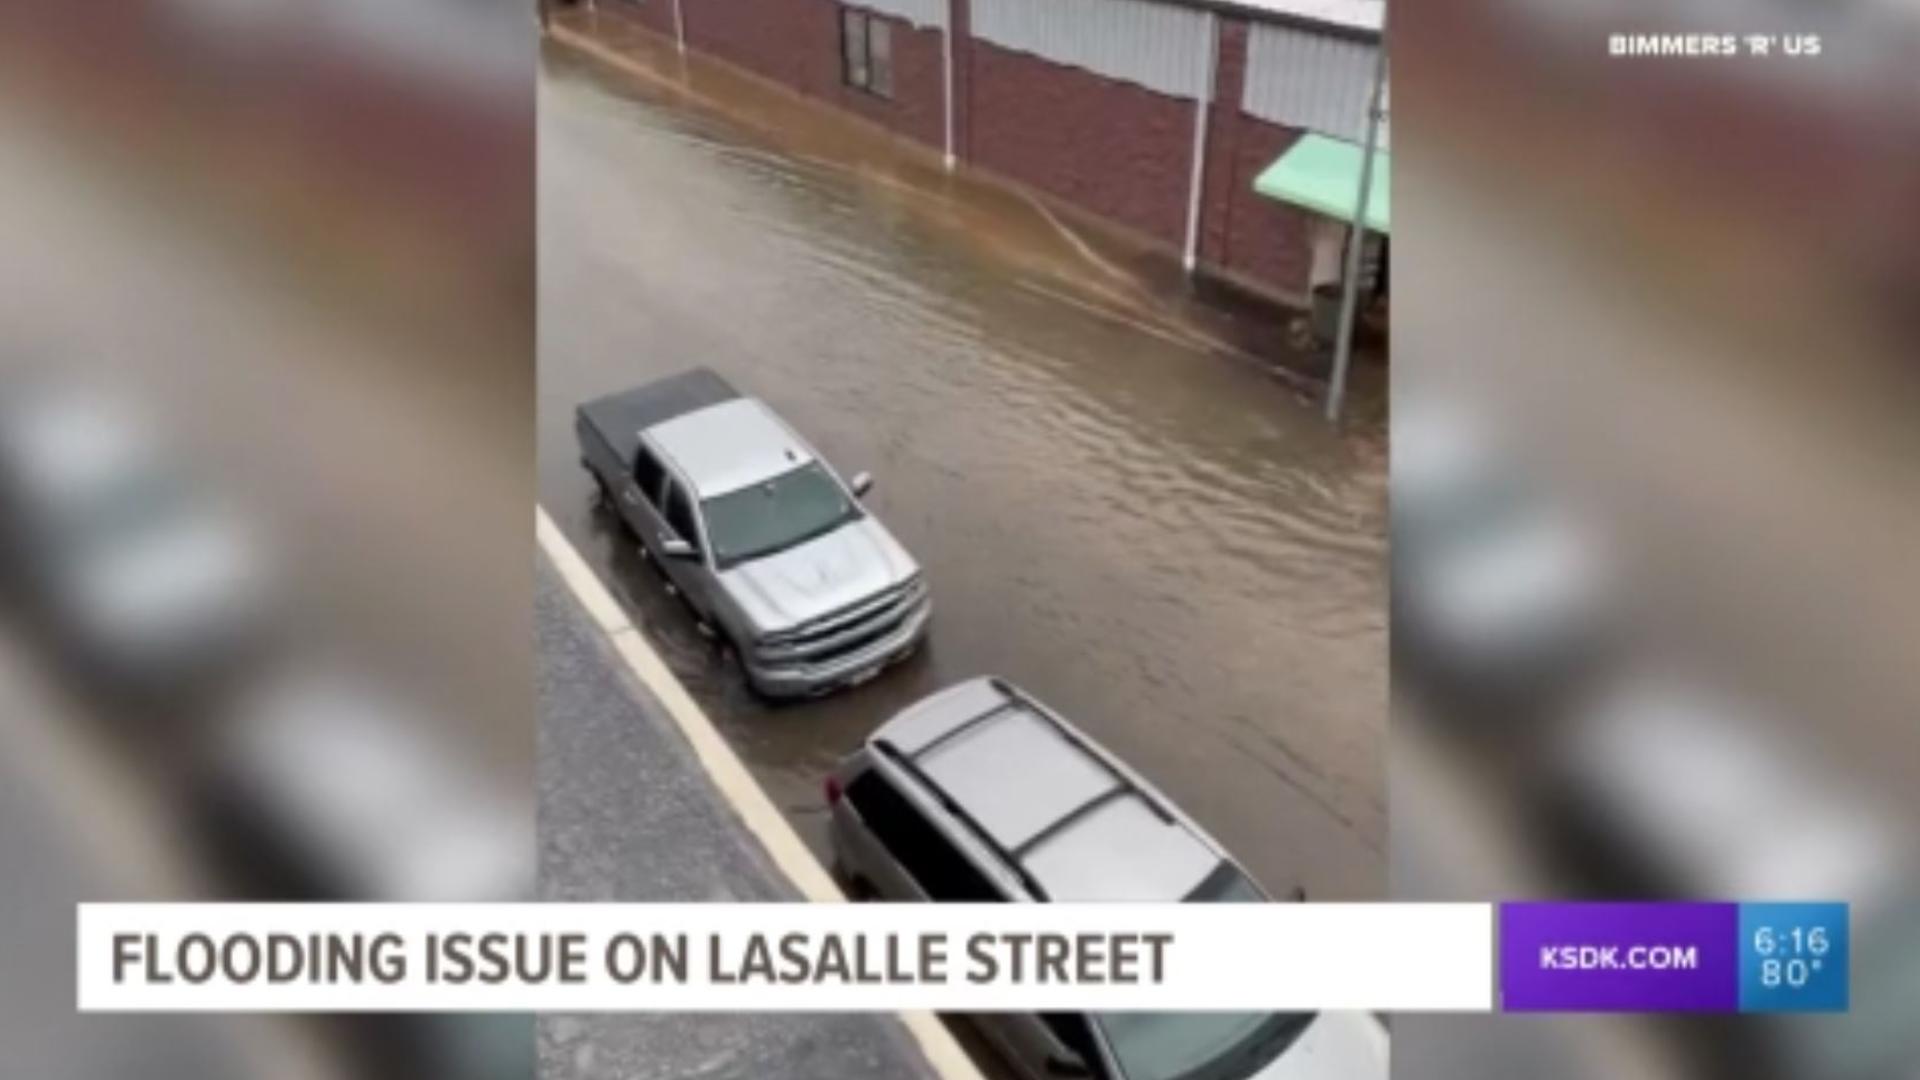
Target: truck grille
850,629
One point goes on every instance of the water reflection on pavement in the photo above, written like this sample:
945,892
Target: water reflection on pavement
1154,535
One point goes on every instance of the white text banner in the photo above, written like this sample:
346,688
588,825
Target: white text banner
784,957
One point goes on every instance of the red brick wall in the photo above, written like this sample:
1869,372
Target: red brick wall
917,108
1241,231
1118,150
1114,148
1124,152
789,42
656,14
1265,239
797,43
960,14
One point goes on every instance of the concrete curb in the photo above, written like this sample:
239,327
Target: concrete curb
727,772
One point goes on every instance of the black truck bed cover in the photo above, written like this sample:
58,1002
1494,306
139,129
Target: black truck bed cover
620,418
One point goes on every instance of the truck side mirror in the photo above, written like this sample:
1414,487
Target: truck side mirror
861,484
675,548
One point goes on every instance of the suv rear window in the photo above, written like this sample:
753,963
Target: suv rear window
916,843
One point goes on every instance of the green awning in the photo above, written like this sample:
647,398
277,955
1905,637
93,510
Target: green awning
1323,175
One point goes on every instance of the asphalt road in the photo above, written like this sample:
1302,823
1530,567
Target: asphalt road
627,814
1158,538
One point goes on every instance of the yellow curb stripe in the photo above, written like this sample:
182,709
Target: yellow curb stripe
728,773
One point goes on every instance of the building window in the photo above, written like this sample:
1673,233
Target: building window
866,52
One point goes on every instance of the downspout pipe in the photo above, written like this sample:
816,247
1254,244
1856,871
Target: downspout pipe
1202,107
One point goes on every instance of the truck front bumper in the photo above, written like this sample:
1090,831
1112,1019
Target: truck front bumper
811,679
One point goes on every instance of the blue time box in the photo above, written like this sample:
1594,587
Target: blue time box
1793,957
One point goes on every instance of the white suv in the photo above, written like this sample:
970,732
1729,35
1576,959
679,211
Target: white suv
980,793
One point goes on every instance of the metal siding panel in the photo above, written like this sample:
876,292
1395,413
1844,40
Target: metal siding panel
1158,46
1316,82
923,13
1385,135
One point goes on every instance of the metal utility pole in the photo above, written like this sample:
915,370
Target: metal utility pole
946,79
1357,234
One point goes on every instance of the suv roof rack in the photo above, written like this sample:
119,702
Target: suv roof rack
1123,784
968,821
1127,785
964,726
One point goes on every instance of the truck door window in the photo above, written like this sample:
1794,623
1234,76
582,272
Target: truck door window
648,475
917,843
680,515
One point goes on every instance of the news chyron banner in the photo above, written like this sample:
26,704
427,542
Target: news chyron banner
1466,958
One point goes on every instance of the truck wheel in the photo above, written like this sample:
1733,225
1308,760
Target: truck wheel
731,653
701,624
857,888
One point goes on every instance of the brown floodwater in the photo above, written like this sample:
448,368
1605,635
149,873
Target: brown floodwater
1118,505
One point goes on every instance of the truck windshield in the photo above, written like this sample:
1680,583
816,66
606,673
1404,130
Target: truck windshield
775,514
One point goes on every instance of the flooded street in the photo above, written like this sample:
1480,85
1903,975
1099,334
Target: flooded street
1148,530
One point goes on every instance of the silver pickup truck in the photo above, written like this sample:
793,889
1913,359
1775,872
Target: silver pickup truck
756,532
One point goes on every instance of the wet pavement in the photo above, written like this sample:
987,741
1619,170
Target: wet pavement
628,814
1115,507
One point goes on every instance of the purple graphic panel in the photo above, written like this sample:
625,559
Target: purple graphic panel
1619,957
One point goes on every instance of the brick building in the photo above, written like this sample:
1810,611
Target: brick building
1155,114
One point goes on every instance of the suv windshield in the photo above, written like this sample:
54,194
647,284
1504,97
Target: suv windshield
1203,1046
1198,1046
775,514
